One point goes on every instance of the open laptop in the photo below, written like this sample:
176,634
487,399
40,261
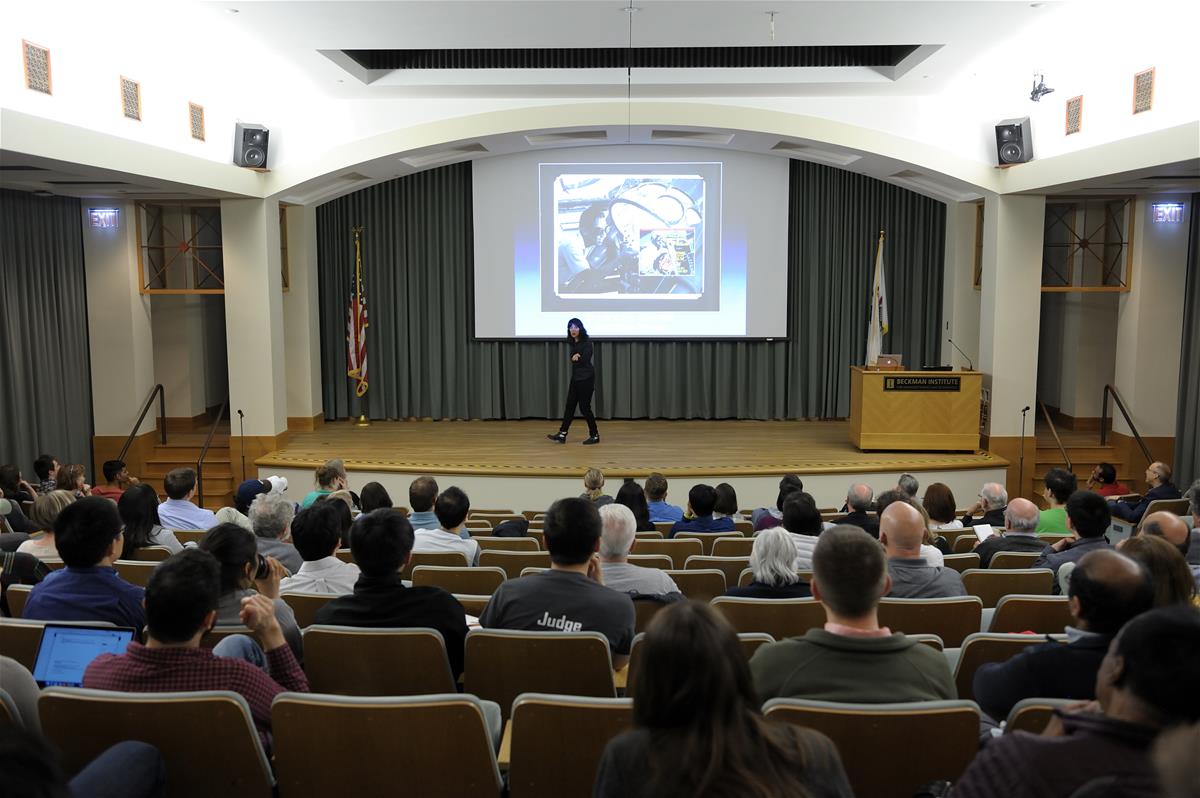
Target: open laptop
66,651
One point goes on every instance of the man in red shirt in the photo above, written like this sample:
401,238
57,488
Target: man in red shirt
1104,481
181,605
117,480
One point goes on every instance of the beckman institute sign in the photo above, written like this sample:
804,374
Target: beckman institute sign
922,383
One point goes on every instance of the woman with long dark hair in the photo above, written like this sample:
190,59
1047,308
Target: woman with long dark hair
633,496
138,507
583,384
697,726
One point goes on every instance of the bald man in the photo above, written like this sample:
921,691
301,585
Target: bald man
858,502
1158,477
901,531
993,498
1019,533
1106,590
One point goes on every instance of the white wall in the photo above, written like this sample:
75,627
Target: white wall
178,333
301,325
960,298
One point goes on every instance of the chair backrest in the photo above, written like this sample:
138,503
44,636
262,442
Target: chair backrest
866,735
487,543
779,618
17,595
558,740
964,543
1014,559
20,637
151,553
678,549
746,528
699,585
748,641
503,663
218,633
430,745
664,526
1047,615
1050,540
933,641
660,561
531,570
745,577
951,619
207,739
345,555
1032,714
983,647
190,535
472,605
53,563
961,562
648,535
451,558
478,581
707,539
478,525
1172,506
305,605
539,536
992,584
726,546
732,567
644,611
347,660
513,561
135,572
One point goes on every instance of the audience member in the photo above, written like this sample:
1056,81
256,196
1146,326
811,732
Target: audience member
656,493
908,485
993,498
22,527
571,596
18,568
727,503
1175,531
88,536
1169,572
931,553
1106,590
767,517
1019,533
616,539
698,729
1158,477
858,501
1088,519
245,572
317,535
46,509
178,511
451,508
344,515
116,480
382,543
251,489
46,468
73,478
803,522
632,496
938,501
330,476
374,496
901,530
271,521
593,488
422,492
773,563
699,516
1057,487
1103,481
1145,684
181,605
30,764
138,508
852,659
13,485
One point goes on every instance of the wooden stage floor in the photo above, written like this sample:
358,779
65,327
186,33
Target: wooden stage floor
627,448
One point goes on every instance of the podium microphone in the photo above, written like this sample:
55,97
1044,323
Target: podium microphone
970,366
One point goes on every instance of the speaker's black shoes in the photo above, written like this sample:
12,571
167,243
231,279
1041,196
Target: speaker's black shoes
591,440
558,437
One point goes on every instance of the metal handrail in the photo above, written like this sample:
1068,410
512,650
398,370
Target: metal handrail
1062,449
204,452
1109,389
162,419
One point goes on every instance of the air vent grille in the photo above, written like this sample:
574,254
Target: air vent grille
37,67
131,98
567,137
1074,114
1143,91
196,120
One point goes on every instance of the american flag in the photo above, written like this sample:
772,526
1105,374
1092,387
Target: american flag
356,334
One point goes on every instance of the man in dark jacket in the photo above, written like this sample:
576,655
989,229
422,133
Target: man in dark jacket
858,501
993,498
1158,477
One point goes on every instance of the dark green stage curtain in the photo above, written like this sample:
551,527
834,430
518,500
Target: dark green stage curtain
1187,423
418,249
45,381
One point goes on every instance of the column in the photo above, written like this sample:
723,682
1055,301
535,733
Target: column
301,325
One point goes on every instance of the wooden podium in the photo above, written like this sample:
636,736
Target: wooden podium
914,410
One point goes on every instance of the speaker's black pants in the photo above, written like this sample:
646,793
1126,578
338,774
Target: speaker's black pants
580,393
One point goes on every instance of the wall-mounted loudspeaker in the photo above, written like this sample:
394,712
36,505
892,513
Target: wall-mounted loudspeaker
1014,141
250,145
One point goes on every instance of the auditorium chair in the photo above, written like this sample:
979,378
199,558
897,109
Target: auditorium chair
664,527
677,550
1032,714
474,525
507,544
305,605
190,535
480,580
648,536
135,572
503,663
151,553
53,563
218,633
644,611
513,561
1014,559
964,544
1050,540
731,566
1044,615
961,562
533,569
744,528
698,585
207,739
348,660
495,517
437,746
556,742
983,647
732,547
866,736
660,561
20,637
951,619
539,536
472,605
748,641
345,555
17,595
933,641
533,515
992,584
707,539
779,618
450,558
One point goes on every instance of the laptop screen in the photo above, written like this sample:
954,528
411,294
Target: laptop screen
66,651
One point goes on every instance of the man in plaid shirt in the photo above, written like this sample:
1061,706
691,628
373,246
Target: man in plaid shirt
181,605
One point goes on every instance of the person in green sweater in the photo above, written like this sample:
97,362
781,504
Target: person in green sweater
852,659
1058,484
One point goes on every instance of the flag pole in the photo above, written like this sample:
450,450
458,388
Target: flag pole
362,421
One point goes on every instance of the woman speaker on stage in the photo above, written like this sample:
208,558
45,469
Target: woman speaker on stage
583,384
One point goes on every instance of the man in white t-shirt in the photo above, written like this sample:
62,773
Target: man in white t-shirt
451,508
617,532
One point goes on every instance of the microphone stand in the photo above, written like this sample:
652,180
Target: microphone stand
242,440
1021,466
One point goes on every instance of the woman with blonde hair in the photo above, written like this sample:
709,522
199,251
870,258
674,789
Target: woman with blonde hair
45,511
330,477
593,483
